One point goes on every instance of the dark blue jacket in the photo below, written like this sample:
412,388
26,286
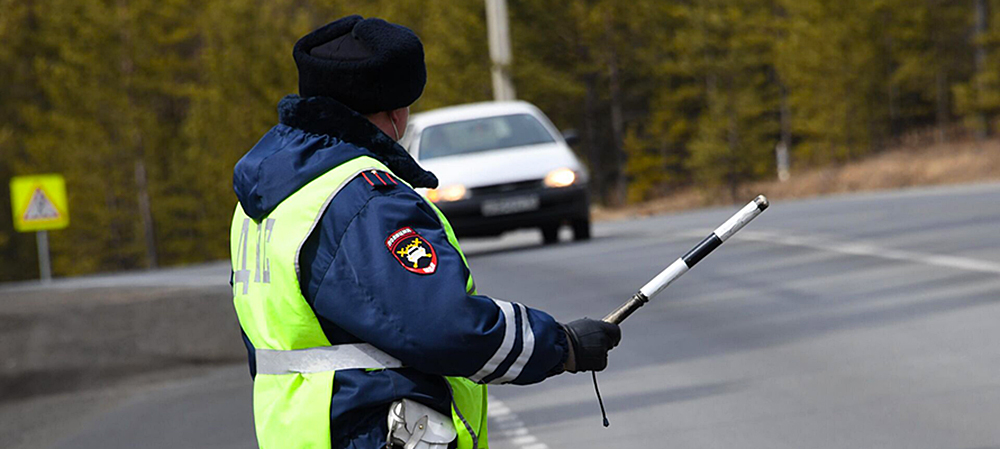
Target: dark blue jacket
362,292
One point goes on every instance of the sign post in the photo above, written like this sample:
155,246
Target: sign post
39,205
44,265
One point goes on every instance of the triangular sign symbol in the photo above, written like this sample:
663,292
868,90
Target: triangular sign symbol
40,207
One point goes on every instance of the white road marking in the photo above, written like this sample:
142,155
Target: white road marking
536,446
499,411
527,439
502,418
515,432
504,422
869,250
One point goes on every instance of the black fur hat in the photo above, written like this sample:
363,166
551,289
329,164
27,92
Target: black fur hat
369,65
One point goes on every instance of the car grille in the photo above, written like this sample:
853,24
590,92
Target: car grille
511,187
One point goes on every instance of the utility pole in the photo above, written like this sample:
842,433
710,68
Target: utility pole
781,150
619,191
781,156
981,24
134,136
498,29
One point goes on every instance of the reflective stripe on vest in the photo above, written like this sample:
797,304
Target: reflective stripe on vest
324,358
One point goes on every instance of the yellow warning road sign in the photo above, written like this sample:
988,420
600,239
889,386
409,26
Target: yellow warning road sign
39,202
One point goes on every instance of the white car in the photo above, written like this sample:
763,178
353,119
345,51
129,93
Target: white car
501,166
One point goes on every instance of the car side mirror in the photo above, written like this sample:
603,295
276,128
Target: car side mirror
571,137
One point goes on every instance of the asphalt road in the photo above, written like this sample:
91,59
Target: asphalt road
841,322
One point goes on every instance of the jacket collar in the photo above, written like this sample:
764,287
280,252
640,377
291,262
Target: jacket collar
324,115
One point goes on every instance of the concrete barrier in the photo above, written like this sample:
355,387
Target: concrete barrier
56,340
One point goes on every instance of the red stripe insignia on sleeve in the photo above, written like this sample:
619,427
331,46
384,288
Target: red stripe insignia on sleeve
412,251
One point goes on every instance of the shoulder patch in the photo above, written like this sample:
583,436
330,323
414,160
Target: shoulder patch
379,179
412,251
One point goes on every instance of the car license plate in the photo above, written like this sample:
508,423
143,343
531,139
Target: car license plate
511,205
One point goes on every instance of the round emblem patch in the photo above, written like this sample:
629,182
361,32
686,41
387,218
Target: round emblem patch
412,251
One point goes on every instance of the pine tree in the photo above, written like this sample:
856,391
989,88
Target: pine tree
829,57
929,54
17,250
588,65
107,109
717,108
978,97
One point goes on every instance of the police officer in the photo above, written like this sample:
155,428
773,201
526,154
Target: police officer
359,313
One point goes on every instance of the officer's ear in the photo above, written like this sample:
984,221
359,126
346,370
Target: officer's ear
400,117
392,123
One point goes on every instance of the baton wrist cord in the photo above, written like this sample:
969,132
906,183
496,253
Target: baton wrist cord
604,414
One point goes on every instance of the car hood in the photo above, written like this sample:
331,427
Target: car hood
502,166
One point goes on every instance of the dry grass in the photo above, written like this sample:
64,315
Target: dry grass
944,164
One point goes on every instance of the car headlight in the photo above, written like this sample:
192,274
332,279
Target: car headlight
449,193
560,178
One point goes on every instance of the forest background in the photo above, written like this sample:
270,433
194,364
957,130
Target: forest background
151,102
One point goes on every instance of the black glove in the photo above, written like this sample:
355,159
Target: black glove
590,341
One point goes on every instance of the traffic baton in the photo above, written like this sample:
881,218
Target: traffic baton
685,263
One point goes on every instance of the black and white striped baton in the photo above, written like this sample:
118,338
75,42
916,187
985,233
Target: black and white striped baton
685,263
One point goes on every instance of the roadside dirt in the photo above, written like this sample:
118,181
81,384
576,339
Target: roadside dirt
952,163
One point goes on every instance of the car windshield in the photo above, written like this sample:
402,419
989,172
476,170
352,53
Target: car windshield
483,134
